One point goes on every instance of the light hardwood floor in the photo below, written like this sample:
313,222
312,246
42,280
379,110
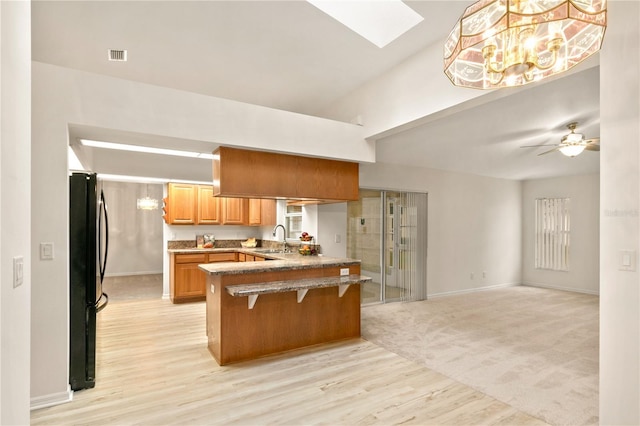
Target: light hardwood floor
153,368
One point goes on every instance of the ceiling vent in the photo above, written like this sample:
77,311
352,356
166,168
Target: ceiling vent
117,55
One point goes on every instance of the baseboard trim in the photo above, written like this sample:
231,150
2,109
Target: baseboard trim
52,399
556,287
126,274
471,290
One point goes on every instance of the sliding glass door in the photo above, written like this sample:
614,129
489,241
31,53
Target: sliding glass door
387,231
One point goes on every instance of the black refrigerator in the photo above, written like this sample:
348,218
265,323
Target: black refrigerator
88,247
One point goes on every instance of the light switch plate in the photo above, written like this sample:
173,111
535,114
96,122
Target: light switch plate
344,271
627,260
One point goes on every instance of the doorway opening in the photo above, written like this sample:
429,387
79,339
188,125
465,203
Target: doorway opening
387,231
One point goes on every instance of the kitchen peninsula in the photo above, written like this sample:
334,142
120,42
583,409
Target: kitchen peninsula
291,301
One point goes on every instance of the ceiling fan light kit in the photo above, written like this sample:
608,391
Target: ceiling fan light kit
571,144
503,43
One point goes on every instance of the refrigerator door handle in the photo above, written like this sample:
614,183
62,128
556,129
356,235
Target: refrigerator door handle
103,259
99,306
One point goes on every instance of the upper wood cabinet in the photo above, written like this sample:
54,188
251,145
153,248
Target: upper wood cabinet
235,211
195,205
258,174
181,204
209,210
262,212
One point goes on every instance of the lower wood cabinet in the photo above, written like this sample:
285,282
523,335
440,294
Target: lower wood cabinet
243,257
187,282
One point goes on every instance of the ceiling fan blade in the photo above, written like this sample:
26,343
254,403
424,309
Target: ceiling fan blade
551,150
536,146
592,140
592,147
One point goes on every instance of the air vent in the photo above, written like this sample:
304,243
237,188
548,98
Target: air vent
117,55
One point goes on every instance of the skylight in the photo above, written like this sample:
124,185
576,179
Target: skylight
379,21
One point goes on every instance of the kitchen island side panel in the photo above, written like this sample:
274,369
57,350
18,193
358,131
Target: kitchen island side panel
277,322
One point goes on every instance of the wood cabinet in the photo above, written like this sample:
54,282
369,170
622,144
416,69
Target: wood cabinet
187,282
180,205
262,212
188,204
244,257
208,210
235,211
274,175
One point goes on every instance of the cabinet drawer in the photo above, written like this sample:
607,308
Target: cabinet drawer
191,258
222,257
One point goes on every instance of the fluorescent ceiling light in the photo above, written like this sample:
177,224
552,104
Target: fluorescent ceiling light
125,178
379,21
144,179
146,149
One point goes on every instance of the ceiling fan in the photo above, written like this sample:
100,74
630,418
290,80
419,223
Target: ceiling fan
571,144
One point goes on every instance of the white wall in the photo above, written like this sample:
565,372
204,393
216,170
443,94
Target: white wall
584,192
619,218
135,236
474,225
332,222
406,93
15,208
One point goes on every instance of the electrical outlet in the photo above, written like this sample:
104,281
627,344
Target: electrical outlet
46,251
344,271
484,274
471,276
337,238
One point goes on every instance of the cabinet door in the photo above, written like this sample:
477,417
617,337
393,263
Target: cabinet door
190,282
208,206
235,211
255,211
262,212
182,204
268,212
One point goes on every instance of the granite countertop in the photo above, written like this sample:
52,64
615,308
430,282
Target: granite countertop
278,262
294,285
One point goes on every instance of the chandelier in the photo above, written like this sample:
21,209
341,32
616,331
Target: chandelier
147,203
500,43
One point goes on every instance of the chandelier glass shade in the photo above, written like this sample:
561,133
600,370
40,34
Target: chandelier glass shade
501,43
147,203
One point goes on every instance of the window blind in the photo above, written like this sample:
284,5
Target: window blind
552,234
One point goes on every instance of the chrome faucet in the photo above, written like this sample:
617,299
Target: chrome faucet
284,236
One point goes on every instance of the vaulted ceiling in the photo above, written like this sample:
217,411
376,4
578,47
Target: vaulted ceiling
289,55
